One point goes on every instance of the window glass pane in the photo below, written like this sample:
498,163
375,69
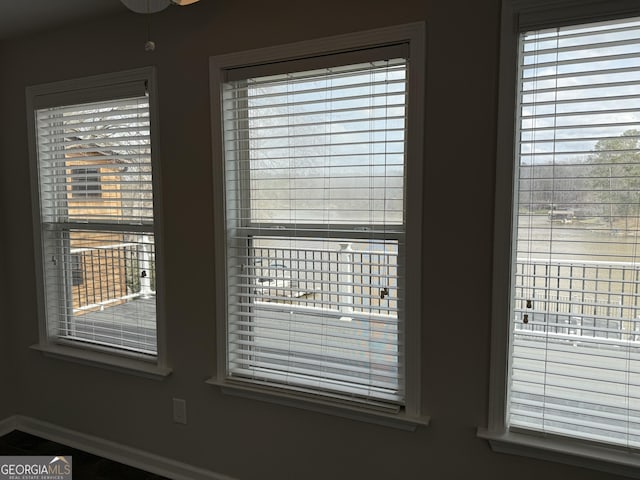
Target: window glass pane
321,147
95,162
322,312
114,303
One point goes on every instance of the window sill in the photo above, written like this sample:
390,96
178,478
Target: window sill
107,361
399,420
563,450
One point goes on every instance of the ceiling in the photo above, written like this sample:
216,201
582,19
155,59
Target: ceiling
24,16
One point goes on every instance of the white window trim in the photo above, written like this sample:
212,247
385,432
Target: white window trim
106,360
519,15
413,34
109,85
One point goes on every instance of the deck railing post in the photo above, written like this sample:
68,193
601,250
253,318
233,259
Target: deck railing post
345,280
144,265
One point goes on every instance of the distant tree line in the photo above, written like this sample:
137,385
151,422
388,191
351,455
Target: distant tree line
604,184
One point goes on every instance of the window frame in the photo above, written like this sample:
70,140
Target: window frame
414,35
519,16
95,88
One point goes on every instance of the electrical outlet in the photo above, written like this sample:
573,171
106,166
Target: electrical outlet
180,411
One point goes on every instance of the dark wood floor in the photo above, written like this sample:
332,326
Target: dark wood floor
85,465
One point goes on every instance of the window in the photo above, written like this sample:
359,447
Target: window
570,331
93,171
85,182
320,242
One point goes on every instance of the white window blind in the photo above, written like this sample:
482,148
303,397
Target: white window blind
315,225
96,211
575,346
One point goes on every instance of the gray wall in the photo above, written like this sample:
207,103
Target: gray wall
7,373
243,438
7,379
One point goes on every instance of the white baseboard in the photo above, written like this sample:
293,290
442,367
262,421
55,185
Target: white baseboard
113,451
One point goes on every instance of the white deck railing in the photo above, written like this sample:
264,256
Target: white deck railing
343,279
578,298
111,274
